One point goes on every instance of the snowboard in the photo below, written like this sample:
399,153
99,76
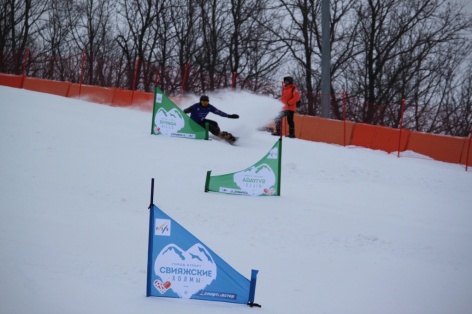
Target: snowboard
217,138
233,141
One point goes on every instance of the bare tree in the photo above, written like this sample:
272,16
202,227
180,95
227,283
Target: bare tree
55,42
254,53
94,34
402,41
213,27
19,28
184,18
145,34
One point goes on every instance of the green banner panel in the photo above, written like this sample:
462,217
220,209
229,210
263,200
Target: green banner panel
261,179
170,120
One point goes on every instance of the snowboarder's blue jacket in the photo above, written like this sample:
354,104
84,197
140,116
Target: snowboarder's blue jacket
198,113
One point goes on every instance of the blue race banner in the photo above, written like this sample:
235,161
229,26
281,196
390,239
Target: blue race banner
181,266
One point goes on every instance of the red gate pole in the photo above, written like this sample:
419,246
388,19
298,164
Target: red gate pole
233,83
135,73
468,151
401,127
25,61
344,115
81,72
184,78
135,79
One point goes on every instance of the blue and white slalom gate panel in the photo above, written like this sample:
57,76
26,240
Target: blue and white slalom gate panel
181,266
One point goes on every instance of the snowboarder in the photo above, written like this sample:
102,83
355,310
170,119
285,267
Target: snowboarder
200,110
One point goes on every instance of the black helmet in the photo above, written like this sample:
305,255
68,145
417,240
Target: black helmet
204,98
288,79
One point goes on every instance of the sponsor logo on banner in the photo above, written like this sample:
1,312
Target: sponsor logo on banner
218,295
184,272
232,191
168,122
162,287
184,135
159,98
274,153
256,180
162,227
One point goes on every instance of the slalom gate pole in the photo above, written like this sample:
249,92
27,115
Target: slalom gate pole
25,62
207,180
252,289
152,193
468,151
81,71
344,117
279,182
150,242
401,127
233,82
184,79
135,79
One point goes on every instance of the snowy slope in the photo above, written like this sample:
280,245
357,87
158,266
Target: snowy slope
355,230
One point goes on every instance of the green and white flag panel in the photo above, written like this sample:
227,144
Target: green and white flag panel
261,179
170,120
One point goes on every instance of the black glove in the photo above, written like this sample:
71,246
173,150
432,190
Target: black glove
233,116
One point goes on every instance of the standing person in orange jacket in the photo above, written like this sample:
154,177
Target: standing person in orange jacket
290,97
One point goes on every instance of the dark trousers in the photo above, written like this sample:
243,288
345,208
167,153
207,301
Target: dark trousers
212,126
291,124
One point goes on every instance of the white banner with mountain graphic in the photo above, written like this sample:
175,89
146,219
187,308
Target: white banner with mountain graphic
261,179
170,120
181,266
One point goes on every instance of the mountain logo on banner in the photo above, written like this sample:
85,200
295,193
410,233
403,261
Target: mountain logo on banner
169,122
196,264
181,266
261,179
255,180
168,119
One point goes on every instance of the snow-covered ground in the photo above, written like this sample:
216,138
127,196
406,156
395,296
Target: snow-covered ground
355,231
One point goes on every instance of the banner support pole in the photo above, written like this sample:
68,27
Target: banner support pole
207,181
152,193
252,289
150,243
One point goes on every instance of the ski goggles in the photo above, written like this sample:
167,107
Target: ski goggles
205,102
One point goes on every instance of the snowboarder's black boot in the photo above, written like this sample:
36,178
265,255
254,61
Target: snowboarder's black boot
228,137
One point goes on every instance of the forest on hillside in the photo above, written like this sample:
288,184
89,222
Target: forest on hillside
382,52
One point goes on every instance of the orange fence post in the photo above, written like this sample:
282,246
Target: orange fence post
233,83
135,78
81,72
184,79
468,151
344,118
401,127
24,67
